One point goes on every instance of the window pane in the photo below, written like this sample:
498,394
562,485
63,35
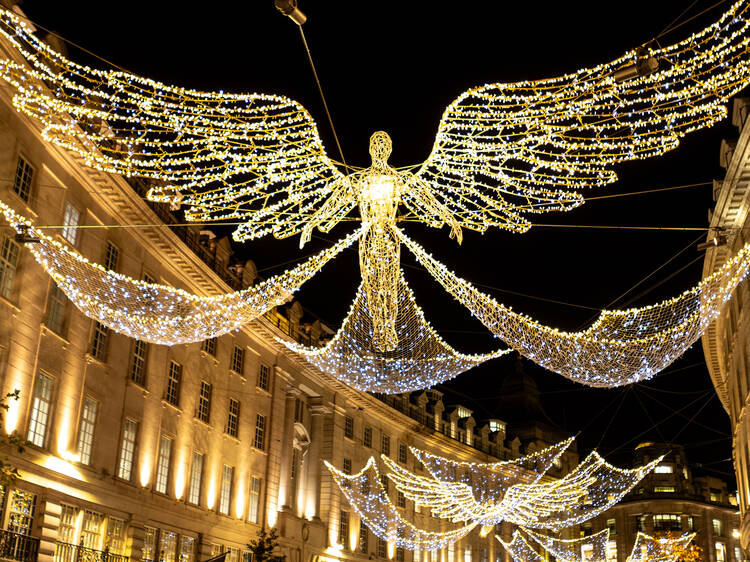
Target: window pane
40,410
56,309
254,507
162,467
127,450
22,179
8,263
196,477
138,362
70,223
86,429
225,497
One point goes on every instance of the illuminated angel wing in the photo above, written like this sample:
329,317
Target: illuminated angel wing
504,150
254,157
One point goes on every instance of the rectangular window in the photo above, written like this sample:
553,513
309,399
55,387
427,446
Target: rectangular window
402,453
8,265
91,529
187,549
400,554
343,528
233,417
209,346
367,437
116,535
162,464
363,539
71,218
612,526
385,445
86,429
254,507
716,523
173,383
260,432
167,546
149,544
349,427
263,376
127,450
299,410
225,496
663,469
40,410
667,522
66,532
196,478
21,512
138,362
238,360
663,489
400,499
204,403
111,257
23,179
721,552
384,482
691,523
56,309
99,341
611,551
382,548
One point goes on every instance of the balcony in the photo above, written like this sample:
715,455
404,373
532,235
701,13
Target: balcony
65,552
14,546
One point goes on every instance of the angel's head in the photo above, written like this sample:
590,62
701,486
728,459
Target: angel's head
380,146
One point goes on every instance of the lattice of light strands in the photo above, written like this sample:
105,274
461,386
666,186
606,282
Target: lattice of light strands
622,346
592,548
652,549
421,358
369,499
591,488
159,313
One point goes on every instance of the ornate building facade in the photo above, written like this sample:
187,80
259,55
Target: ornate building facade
673,501
726,344
146,452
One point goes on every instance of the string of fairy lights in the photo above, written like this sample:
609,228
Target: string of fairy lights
589,489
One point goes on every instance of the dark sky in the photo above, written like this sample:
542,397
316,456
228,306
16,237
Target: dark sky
395,65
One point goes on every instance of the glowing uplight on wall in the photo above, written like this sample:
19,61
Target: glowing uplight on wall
63,436
211,497
179,481
354,534
391,550
62,466
273,516
145,470
239,503
13,412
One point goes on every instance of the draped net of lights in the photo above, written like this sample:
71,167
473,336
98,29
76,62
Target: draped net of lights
622,346
589,489
159,313
502,152
592,548
421,357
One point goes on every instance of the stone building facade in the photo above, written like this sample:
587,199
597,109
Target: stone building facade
671,500
175,453
726,344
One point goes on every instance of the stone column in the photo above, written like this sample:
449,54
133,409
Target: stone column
285,500
49,522
317,413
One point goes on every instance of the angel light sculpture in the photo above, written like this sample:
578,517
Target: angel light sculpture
502,152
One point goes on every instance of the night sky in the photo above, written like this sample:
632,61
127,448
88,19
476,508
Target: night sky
395,66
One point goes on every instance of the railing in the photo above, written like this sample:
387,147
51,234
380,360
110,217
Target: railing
65,552
14,546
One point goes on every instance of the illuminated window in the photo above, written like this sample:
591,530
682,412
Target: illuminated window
40,410
173,383
364,536
343,528
612,526
56,309
21,512
66,532
116,536
254,507
716,523
611,551
23,179
162,464
402,453
400,499
347,466
111,256
148,553
225,495
238,360
167,546
367,437
385,445
99,338
263,375
587,552
233,417
663,489
71,218
86,429
382,548
196,478
8,264
721,551
138,362
209,346
349,427
204,403
92,529
667,522
691,523
187,549
496,425
260,432
127,450
715,495
663,469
